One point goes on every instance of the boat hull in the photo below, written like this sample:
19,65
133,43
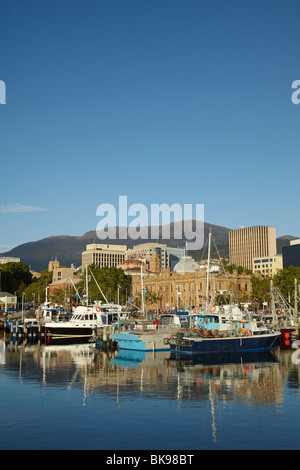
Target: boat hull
67,331
142,342
189,346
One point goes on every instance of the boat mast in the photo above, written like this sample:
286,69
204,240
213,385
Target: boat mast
87,284
142,292
273,307
296,302
208,269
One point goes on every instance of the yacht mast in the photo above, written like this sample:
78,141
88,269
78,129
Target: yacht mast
208,268
87,284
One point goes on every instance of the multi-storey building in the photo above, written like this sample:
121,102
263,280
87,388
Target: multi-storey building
291,254
267,266
103,255
251,242
186,285
168,256
9,259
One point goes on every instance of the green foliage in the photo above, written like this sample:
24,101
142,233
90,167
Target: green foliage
260,287
150,298
15,277
285,280
240,269
108,278
58,296
36,290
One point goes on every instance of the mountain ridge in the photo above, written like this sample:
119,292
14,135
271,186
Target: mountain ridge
68,248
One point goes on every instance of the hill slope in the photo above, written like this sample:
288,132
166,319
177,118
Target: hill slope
68,249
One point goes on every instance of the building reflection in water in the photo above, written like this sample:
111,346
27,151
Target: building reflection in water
255,377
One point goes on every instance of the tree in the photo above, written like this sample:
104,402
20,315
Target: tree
108,278
260,288
285,281
58,296
150,298
240,269
15,277
37,289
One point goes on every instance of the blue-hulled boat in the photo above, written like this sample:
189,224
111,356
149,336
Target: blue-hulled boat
154,337
210,321
242,340
145,341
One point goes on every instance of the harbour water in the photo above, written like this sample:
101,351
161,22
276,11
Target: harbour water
72,396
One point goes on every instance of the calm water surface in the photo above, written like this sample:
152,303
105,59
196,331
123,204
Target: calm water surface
75,397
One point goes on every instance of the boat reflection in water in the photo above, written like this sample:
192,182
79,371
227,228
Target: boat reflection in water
204,395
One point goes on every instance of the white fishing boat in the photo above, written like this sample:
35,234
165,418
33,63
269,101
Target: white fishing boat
84,321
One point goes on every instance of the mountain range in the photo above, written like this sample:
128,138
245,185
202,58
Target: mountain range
68,249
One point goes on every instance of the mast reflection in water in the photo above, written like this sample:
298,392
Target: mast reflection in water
72,396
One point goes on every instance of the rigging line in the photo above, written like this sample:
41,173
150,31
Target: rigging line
203,252
225,272
98,285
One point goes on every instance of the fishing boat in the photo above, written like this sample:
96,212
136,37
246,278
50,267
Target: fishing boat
238,339
86,318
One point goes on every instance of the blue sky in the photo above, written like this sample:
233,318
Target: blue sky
164,101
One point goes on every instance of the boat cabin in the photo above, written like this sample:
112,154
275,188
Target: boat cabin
210,322
175,320
88,315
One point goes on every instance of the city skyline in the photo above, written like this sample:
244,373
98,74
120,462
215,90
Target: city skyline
162,101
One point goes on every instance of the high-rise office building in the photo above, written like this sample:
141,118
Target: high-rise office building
291,254
251,242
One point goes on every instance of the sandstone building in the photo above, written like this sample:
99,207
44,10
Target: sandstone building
186,285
